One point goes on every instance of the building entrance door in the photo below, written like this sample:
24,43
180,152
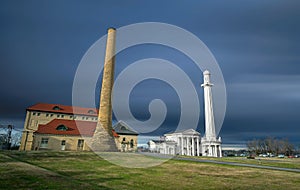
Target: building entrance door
80,144
63,145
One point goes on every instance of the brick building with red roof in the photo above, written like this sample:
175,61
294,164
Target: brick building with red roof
61,127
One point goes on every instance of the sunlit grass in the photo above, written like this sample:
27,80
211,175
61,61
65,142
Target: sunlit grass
86,170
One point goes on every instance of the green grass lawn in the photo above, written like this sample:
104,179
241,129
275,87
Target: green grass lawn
73,170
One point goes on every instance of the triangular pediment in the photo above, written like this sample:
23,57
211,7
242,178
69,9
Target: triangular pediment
186,132
190,132
122,128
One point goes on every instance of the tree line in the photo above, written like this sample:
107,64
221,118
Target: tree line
272,146
13,143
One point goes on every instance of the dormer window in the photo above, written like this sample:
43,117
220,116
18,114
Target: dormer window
123,128
61,128
56,108
91,112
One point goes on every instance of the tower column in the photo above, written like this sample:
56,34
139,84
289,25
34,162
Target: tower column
105,108
210,140
103,139
210,132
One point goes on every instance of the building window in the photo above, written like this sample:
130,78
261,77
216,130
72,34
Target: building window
75,117
47,114
80,144
33,113
61,128
86,118
51,115
57,115
63,142
91,112
44,143
123,128
56,108
131,143
62,116
38,114
71,116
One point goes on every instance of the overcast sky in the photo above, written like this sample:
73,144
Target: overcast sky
256,44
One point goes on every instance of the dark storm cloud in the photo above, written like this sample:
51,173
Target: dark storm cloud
256,44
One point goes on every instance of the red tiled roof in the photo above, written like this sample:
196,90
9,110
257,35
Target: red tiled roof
114,133
84,128
57,108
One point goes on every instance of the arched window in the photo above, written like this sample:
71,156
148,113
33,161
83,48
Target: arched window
131,143
61,128
91,112
123,128
56,108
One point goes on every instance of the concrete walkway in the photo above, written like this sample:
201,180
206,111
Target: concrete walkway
163,156
239,164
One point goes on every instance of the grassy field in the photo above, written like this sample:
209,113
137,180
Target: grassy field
72,170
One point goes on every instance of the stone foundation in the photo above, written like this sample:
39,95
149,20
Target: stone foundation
102,141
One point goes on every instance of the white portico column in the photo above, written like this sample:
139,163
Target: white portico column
187,146
193,146
208,150
198,151
216,151
182,150
220,151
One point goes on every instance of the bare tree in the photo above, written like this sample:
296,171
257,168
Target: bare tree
12,143
288,148
3,141
253,146
271,145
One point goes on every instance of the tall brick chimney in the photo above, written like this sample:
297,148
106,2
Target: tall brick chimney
105,108
103,139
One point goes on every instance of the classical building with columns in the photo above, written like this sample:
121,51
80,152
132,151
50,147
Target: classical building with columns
189,142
